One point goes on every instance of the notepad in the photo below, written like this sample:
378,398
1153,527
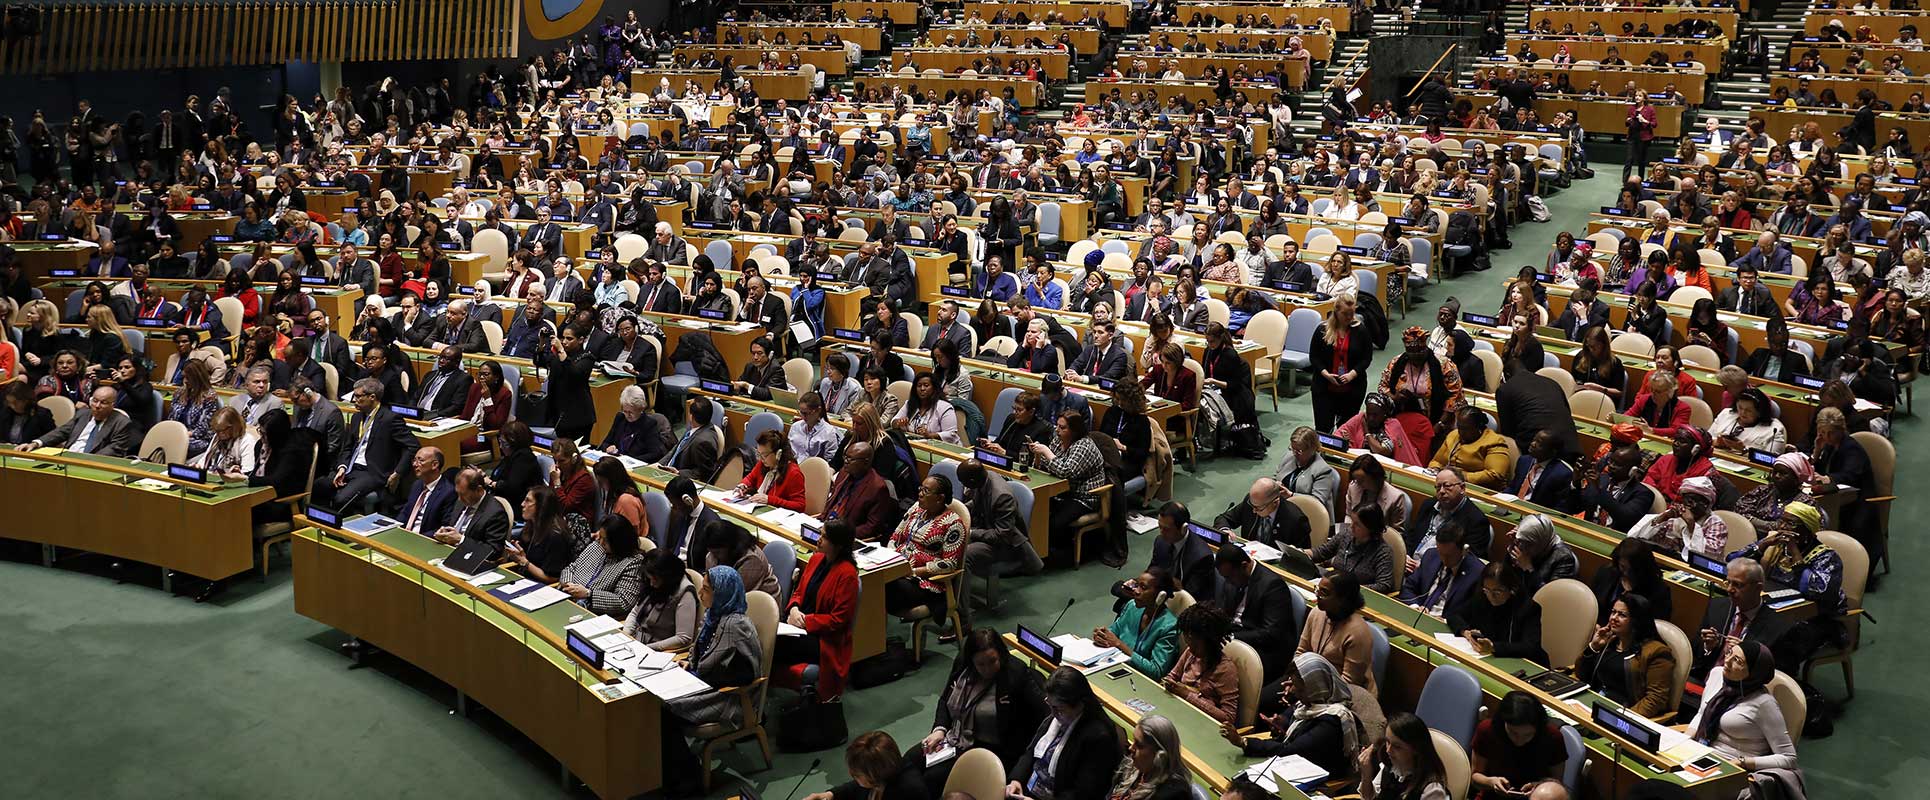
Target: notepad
877,557
1458,643
787,629
1261,552
154,483
540,599
670,684
1140,523
1080,651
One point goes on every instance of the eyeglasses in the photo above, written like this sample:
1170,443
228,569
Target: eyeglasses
1455,485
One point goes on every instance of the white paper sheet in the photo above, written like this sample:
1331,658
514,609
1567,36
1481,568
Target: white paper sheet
671,684
540,599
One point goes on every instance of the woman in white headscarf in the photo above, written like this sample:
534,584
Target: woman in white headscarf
1320,722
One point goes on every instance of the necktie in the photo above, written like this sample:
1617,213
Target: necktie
415,513
86,436
434,388
462,523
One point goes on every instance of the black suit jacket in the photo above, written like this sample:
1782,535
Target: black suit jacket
391,445
762,381
1086,758
1191,563
1473,523
489,522
1290,524
898,228
1757,364
667,298
642,360
469,337
1529,403
1761,304
1267,624
570,389
435,513
448,399
1768,627
1111,364
1573,324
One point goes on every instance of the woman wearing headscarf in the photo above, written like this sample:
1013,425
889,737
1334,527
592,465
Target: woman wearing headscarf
1788,483
1377,430
1688,525
1690,459
1793,556
1154,768
1540,554
1319,722
727,653
1418,381
1742,720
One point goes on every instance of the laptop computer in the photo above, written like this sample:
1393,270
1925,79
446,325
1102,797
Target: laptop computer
784,397
470,558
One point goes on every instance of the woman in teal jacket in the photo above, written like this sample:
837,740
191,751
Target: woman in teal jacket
1146,629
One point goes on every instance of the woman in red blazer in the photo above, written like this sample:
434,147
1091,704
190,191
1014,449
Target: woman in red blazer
776,479
574,484
825,605
492,416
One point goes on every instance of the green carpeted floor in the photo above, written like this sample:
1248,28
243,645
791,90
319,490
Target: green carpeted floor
118,690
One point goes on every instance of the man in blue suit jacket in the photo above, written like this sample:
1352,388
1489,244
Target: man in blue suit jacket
432,495
1449,575
1768,255
107,265
1542,477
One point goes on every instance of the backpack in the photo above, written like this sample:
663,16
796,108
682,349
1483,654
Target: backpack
1538,210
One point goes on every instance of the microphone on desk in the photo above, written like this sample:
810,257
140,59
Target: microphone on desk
800,779
1060,618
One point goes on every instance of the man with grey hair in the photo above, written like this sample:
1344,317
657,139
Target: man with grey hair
377,457
564,283
254,399
668,248
460,327
1539,552
97,428
1738,615
320,414
1266,515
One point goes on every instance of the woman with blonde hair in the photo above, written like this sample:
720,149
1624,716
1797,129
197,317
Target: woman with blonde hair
233,450
1337,276
41,338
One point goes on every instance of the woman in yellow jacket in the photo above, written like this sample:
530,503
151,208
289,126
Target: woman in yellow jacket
1479,452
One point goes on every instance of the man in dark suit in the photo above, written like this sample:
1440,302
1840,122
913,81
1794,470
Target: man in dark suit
861,496
1106,358
378,367
564,282
1256,599
1795,218
1738,615
763,308
476,513
412,325
525,334
320,414
1265,515
570,365
1747,295
631,348
353,270
658,293
1585,310
1448,575
798,248
761,374
889,225
444,389
1449,506
545,231
105,264
998,540
379,449
1769,255
100,430
886,270
1528,402
1543,477
947,326
461,328
695,456
431,498
1185,557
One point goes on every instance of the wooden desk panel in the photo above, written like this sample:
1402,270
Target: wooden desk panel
868,37
1112,12
951,59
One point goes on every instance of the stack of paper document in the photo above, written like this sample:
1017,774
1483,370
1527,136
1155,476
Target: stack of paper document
1458,643
154,483
724,496
670,684
787,629
877,557
1294,770
787,519
1261,551
1140,523
540,599
1080,651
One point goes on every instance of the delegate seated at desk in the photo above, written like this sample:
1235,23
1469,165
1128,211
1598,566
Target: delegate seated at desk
1265,515
636,431
475,513
1320,717
762,373
665,617
102,430
1263,612
1073,752
696,454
